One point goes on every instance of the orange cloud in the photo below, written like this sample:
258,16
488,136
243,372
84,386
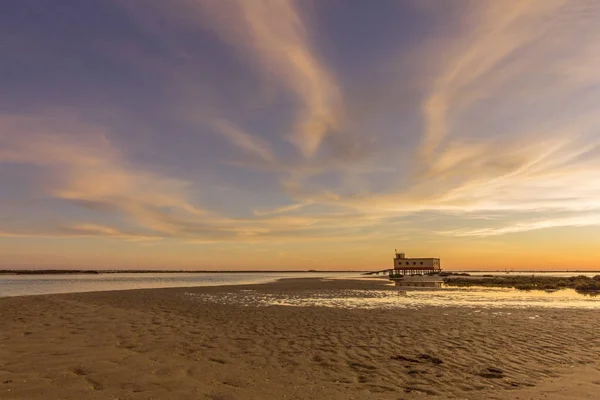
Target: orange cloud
83,166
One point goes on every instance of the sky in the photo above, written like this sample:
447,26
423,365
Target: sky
281,134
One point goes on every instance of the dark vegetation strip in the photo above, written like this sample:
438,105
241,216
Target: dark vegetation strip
582,284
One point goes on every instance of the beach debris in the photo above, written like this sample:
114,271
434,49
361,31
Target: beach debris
403,358
361,366
414,371
423,357
416,389
492,373
430,358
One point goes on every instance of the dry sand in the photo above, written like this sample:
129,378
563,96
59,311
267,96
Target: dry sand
166,344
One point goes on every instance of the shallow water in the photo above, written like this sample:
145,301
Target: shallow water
23,285
473,297
477,297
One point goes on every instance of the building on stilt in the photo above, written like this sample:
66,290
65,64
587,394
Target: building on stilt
414,271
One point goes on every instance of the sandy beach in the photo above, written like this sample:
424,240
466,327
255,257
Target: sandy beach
183,343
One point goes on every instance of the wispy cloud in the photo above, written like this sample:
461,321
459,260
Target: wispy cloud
509,119
500,30
80,164
545,223
280,210
274,35
249,144
509,125
77,231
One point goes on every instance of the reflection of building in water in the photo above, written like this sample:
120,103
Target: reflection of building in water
412,282
414,266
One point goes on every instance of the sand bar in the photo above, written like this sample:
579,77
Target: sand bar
176,344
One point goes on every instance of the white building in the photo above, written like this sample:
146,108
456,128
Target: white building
415,266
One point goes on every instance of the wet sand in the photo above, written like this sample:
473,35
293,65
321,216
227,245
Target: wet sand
175,344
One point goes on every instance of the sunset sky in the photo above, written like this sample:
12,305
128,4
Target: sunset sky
255,134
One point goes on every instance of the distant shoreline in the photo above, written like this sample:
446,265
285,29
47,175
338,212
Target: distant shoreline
98,272
149,271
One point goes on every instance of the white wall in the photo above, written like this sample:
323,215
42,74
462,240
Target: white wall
417,263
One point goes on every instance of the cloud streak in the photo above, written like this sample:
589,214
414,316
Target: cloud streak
274,35
578,221
82,166
249,144
501,29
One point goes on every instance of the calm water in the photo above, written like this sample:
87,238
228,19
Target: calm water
469,297
23,285
472,298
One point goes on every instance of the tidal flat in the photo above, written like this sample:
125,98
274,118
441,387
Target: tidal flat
186,343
